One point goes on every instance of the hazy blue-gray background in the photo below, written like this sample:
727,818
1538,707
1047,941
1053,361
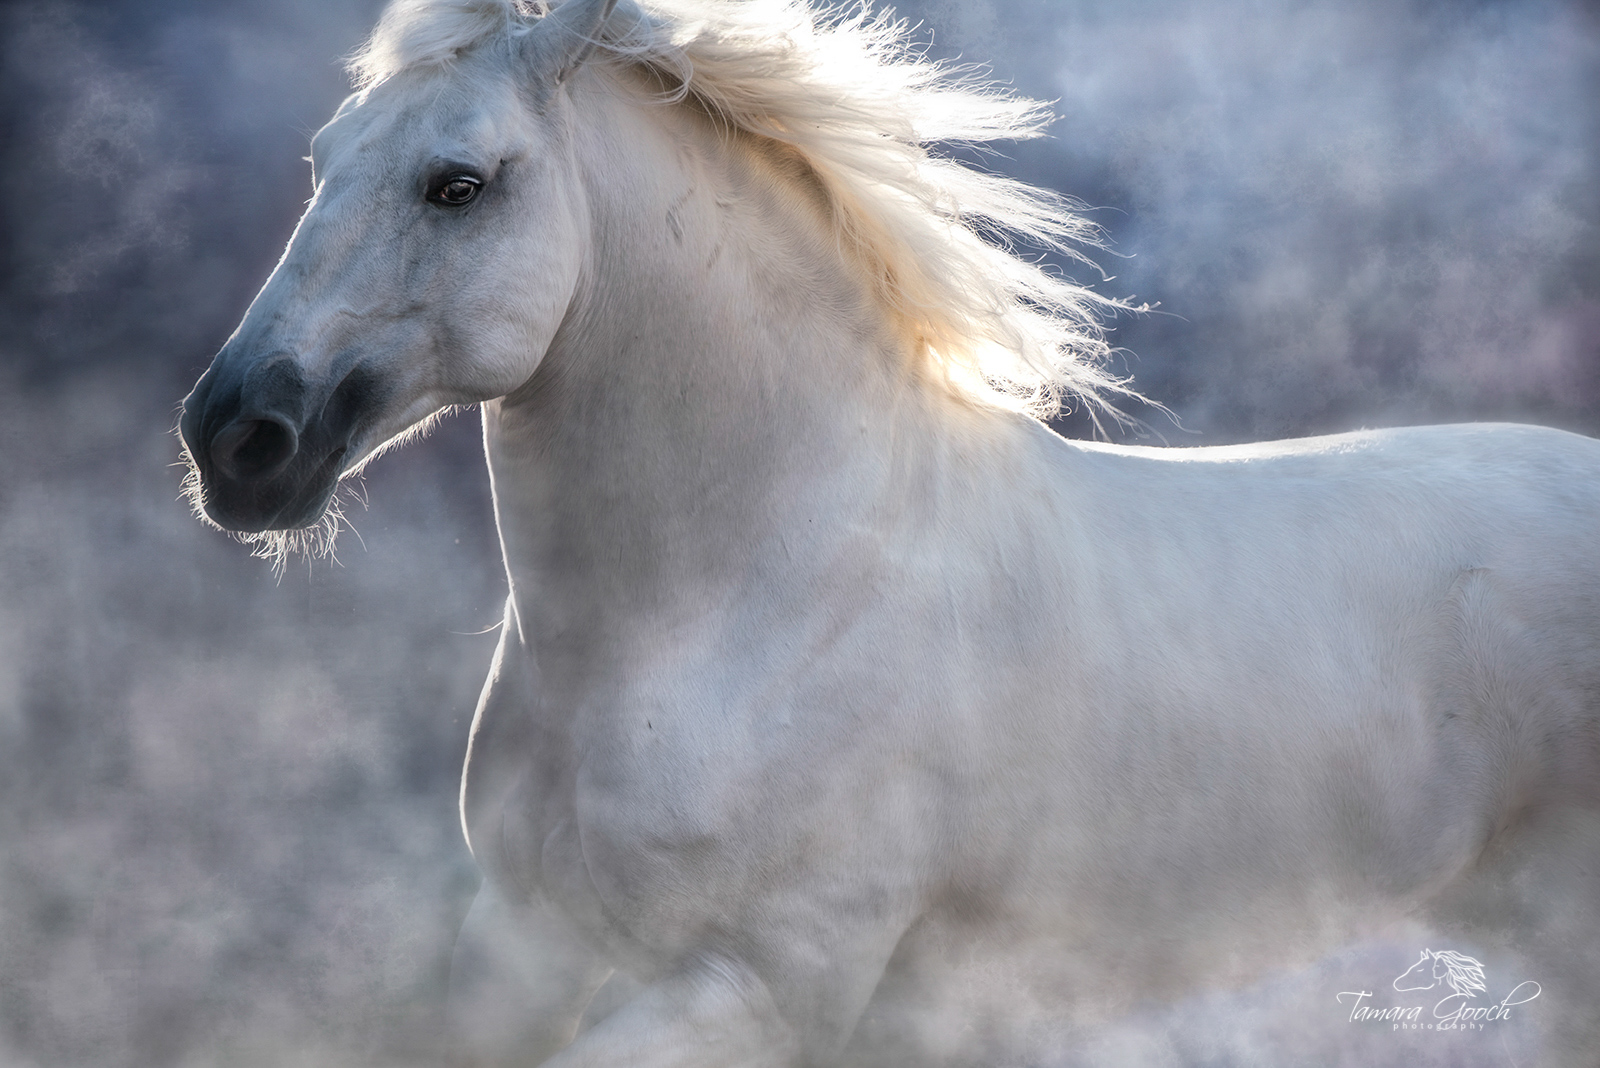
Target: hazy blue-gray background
227,824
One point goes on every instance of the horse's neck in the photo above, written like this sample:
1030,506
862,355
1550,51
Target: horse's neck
722,385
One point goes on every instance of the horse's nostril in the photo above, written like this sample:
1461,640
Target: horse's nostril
250,450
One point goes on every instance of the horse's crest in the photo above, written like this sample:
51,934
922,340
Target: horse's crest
1461,973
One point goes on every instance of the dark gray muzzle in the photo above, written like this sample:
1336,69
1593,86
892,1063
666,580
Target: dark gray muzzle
269,446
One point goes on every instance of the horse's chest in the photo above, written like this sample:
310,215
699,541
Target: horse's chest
517,794
608,825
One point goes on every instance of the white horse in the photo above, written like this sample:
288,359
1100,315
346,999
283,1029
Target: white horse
841,705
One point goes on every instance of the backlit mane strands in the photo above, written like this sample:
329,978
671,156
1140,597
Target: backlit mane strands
851,94
1463,973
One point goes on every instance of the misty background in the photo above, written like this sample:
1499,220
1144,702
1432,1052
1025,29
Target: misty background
227,800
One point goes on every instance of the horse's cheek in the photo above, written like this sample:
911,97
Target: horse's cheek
499,342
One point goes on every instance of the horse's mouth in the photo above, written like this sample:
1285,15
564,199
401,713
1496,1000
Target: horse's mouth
294,499
265,449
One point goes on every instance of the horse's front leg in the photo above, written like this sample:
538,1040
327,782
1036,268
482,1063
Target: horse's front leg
772,995
712,1013
519,982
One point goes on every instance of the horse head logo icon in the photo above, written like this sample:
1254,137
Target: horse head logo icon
1461,973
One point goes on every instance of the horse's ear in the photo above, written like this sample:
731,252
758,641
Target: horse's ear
563,39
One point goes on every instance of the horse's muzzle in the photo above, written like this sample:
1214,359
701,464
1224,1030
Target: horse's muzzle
268,455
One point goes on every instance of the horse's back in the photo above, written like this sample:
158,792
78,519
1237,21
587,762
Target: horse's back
1437,582
1249,697
1376,526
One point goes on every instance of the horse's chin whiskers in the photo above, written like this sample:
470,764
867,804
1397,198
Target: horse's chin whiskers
312,543
315,542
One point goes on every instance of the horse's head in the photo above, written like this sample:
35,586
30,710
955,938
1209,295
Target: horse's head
1417,976
436,260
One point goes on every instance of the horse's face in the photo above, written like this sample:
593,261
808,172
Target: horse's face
1416,976
435,263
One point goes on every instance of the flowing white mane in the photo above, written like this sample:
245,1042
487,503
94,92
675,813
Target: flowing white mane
861,106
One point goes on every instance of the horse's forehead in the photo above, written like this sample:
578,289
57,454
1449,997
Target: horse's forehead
406,116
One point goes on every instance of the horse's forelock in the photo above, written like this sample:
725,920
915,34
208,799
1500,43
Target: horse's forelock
427,33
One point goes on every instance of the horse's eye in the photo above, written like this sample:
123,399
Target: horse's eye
455,190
